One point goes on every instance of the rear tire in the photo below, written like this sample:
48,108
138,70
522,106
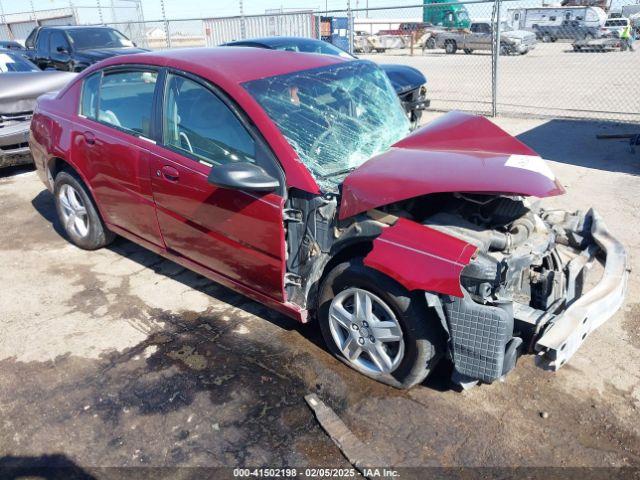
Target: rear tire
430,43
450,47
408,360
468,51
546,38
78,214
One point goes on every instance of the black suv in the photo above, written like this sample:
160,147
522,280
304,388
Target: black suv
74,48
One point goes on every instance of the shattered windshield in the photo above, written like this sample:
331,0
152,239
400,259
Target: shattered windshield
334,117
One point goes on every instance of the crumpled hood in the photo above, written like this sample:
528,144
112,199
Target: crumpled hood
458,152
96,54
19,90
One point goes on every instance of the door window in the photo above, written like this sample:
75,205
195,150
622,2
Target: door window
197,122
58,41
90,91
43,40
125,101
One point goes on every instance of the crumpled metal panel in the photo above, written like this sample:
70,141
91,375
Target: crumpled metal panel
456,153
420,258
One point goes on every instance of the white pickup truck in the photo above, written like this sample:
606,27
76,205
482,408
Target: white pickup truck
478,37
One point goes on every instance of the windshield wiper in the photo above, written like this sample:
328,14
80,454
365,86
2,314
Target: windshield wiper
337,172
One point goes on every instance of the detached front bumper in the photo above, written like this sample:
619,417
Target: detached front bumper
14,144
564,334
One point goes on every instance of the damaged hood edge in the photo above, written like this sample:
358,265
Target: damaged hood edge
457,153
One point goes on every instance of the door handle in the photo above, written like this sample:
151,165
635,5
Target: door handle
169,173
89,137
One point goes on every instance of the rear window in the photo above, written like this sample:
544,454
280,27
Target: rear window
615,23
120,99
89,102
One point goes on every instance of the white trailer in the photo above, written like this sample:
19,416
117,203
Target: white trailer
526,18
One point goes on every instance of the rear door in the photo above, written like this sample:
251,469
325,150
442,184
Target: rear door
113,136
237,234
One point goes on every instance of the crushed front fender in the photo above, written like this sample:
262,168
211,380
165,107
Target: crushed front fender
421,258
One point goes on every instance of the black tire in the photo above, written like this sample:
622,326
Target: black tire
97,235
546,38
450,47
431,43
423,336
468,51
504,50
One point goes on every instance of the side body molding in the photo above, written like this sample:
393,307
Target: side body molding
420,258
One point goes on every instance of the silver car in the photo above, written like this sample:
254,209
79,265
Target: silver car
21,82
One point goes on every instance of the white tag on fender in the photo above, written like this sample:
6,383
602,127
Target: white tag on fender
533,163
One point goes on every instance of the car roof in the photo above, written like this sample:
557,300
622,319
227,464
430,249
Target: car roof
228,64
74,27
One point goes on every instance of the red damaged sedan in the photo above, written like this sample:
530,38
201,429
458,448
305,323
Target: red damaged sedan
294,179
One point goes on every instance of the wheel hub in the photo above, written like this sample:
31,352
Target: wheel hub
74,211
366,331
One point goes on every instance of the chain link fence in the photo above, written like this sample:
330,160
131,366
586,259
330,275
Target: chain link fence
512,57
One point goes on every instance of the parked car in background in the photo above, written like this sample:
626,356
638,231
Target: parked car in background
408,82
616,25
293,178
479,37
567,30
74,48
21,82
10,45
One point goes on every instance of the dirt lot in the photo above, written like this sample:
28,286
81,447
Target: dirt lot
120,358
551,80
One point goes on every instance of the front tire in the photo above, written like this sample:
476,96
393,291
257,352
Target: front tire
78,214
377,327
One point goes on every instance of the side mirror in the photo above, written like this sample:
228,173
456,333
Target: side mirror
242,176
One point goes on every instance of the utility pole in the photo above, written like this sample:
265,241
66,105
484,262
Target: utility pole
495,56
3,20
350,26
33,10
243,27
99,12
167,34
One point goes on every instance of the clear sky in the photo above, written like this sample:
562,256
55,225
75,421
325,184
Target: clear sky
176,9
193,8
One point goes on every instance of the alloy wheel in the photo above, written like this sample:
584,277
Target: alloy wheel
366,331
74,211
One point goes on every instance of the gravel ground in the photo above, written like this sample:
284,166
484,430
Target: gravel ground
120,358
551,80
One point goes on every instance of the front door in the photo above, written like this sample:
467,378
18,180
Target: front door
59,50
237,234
